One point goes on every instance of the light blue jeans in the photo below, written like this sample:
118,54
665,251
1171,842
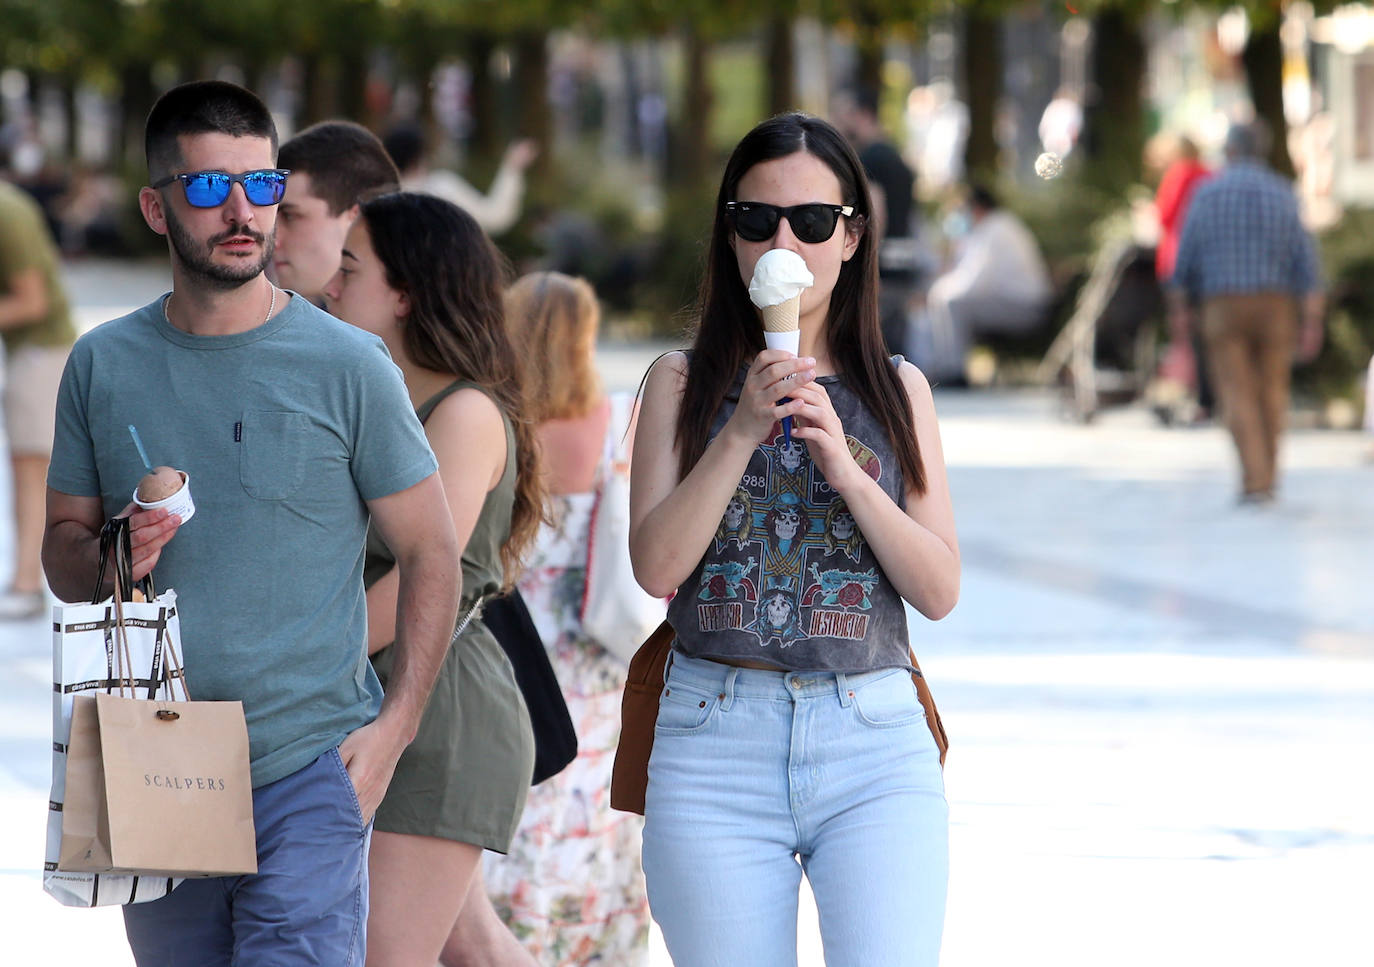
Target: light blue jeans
753,771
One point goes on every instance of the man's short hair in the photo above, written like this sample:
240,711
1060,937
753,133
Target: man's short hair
202,107
406,145
346,163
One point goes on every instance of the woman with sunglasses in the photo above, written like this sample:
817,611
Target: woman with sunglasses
790,737
419,272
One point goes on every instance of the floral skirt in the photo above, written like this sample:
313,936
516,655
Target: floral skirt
571,888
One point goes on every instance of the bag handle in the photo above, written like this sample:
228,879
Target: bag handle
114,540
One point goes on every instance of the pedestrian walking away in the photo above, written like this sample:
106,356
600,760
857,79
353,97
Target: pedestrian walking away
1247,259
296,430
791,551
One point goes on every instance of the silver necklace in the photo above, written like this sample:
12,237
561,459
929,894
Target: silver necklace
270,306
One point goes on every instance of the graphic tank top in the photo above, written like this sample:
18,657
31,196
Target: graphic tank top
788,578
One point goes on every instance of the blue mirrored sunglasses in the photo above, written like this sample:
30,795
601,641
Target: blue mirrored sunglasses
210,189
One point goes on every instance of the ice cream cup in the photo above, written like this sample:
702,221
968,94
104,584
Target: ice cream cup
179,503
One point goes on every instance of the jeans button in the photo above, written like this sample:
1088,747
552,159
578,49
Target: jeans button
796,683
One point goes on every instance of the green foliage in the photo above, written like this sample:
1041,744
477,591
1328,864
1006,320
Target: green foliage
737,83
1348,262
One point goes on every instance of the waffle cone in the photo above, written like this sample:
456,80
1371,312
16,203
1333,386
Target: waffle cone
782,317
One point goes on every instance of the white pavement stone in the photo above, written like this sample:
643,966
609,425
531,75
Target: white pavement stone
1161,706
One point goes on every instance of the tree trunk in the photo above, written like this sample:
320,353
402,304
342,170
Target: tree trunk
351,86
486,139
422,73
67,83
694,137
320,77
782,88
535,119
1114,119
1263,61
868,43
982,88
135,101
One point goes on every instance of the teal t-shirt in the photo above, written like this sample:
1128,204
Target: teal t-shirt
284,431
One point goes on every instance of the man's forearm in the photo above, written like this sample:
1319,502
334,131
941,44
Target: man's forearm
25,302
1310,332
426,611
1313,308
71,557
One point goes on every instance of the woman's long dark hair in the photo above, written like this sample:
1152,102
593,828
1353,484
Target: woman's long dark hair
728,332
439,256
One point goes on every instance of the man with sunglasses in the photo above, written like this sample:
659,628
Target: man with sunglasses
294,428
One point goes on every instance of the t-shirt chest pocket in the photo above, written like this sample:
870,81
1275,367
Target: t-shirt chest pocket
271,453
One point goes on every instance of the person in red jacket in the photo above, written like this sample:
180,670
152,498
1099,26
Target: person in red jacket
1184,172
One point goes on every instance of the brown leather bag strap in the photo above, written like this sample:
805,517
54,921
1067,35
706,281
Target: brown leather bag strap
937,727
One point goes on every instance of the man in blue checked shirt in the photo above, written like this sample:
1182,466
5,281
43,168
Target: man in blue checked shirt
1247,260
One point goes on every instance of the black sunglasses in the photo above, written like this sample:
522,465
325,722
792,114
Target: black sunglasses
756,222
210,189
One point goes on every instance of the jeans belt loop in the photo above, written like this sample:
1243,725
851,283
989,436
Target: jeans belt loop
727,693
842,687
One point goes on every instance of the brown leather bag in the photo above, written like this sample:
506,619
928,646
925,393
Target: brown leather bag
639,713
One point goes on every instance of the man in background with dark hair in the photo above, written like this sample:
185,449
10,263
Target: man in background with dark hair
893,187
296,428
1247,258
335,166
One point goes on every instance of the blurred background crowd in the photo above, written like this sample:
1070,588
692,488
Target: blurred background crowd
593,133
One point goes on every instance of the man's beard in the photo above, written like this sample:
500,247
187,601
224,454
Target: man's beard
196,256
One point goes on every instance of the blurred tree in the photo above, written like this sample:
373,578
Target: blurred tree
781,54
981,70
1262,60
1114,115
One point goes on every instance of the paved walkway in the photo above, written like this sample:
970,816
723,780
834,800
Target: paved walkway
1161,705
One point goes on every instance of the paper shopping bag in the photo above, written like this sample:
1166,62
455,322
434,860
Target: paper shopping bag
178,796
82,831
84,662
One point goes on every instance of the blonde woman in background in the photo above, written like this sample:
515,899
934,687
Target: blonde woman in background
571,887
